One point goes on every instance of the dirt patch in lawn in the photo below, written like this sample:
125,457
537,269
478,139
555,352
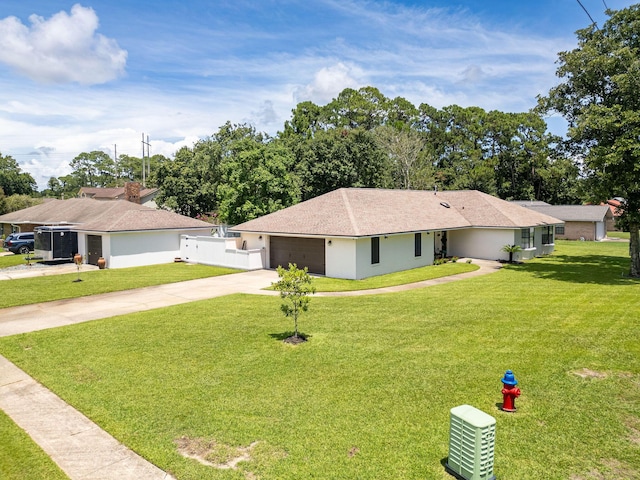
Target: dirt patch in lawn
633,424
295,340
615,470
587,373
214,454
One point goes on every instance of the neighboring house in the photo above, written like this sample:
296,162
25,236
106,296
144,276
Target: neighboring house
132,192
357,232
615,206
126,234
581,222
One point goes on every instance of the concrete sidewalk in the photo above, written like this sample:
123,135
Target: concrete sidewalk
82,449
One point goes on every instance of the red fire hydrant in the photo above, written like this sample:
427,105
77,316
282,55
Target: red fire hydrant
509,391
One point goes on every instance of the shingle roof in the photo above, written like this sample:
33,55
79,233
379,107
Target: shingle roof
137,220
111,193
101,216
527,203
361,212
574,213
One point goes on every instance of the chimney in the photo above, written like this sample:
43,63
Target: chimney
132,192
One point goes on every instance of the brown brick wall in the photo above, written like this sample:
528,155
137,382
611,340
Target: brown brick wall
577,230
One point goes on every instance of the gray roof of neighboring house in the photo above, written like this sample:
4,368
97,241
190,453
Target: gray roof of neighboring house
530,203
574,213
111,193
361,212
87,214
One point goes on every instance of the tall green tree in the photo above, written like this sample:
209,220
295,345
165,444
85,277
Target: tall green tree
339,158
256,179
188,181
94,169
598,96
13,180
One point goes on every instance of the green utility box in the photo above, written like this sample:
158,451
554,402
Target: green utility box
472,436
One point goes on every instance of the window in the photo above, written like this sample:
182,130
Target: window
547,235
418,245
375,250
560,230
525,238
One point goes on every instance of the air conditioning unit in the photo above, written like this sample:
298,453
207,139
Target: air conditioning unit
472,436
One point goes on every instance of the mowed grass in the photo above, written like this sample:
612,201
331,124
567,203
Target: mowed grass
622,235
368,396
24,291
324,284
12,260
21,458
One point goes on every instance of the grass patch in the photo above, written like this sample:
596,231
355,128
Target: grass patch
24,291
12,260
324,284
368,396
622,235
21,458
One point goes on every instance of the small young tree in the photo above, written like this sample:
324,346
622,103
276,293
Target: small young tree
511,249
295,286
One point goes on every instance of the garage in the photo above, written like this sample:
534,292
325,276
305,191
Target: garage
304,252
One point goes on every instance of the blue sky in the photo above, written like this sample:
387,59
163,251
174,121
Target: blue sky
96,75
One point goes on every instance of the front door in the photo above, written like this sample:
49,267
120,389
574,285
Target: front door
440,245
94,249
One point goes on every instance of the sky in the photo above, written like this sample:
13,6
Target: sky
104,74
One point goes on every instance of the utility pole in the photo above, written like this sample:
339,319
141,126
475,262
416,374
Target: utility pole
148,158
115,161
144,170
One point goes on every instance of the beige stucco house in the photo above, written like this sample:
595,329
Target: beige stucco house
358,232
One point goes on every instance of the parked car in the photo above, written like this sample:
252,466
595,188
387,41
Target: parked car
19,242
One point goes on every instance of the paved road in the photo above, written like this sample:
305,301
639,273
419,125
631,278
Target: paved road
81,448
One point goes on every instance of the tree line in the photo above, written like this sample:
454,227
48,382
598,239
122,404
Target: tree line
360,139
364,139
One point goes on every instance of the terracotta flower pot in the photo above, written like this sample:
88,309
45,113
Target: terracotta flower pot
102,263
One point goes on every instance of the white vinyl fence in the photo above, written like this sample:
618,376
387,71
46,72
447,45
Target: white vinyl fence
221,252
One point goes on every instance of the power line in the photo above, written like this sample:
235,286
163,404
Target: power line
588,14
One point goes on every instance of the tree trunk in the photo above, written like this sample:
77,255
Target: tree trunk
634,249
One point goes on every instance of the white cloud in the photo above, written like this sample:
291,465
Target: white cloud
328,82
64,48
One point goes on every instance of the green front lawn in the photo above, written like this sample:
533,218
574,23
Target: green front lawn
12,260
369,395
325,284
623,235
24,291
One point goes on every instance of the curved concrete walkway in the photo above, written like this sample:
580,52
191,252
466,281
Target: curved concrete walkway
81,448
